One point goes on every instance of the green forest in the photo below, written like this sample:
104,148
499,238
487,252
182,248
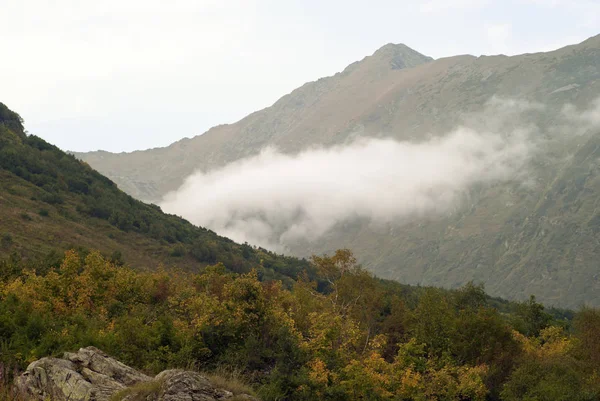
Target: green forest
354,338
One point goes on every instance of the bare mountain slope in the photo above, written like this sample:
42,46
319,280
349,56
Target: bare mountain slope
309,115
370,97
542,239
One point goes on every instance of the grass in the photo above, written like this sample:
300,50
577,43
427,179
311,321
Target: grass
138,392
9,393
35,231
232,381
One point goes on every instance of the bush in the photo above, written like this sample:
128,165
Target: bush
6,239
52,199
26,217
178,251
44,212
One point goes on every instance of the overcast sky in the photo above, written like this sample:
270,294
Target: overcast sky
122,75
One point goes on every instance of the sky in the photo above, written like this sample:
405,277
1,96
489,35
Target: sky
122,75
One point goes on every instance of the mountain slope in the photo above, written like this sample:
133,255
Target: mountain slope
541,239
309,115
370,98
50,202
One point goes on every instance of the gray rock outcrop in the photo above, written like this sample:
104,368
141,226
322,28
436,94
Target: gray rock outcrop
92,375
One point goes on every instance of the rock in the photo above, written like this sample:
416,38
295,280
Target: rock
56,379
97,361
179,385
91,375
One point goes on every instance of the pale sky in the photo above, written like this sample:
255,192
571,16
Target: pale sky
122,75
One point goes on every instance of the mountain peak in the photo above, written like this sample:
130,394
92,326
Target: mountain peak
400,56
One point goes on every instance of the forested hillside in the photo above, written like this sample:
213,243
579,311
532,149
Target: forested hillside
51,202
358,338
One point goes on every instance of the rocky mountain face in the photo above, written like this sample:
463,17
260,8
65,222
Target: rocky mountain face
91,375
542,238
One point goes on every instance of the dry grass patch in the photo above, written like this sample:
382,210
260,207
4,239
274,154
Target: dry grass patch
139,392
231,381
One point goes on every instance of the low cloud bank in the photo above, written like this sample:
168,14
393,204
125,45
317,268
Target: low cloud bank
273,199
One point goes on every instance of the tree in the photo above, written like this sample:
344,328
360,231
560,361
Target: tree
533,317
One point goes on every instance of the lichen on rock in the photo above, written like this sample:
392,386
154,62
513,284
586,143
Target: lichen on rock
92,375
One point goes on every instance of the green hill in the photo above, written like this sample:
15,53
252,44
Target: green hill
51,202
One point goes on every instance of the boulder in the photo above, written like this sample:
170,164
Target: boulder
92,375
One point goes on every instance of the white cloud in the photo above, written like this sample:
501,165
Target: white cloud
586,119
587,10
499,37
435,6
274,199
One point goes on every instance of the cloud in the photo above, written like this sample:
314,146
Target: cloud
585,119
435,6
274,199
499,36
587,10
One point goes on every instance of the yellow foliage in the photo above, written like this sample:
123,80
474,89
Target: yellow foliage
318,372
552,341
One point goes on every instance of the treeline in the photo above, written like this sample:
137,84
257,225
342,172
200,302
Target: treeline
351,337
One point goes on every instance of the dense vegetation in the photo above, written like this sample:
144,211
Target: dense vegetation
45,190
358,338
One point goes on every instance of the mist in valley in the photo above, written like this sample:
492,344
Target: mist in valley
274,199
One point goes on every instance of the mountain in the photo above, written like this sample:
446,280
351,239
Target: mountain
542,238
51,202
309,115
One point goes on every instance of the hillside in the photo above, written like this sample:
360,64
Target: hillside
362,338
51,202
541,239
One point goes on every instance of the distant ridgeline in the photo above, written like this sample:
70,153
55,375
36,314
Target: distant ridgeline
51,202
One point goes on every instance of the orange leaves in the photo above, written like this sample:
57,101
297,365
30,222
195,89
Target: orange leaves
318,373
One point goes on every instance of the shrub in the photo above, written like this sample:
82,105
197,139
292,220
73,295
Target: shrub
178,251
26,217
6,239
52,199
